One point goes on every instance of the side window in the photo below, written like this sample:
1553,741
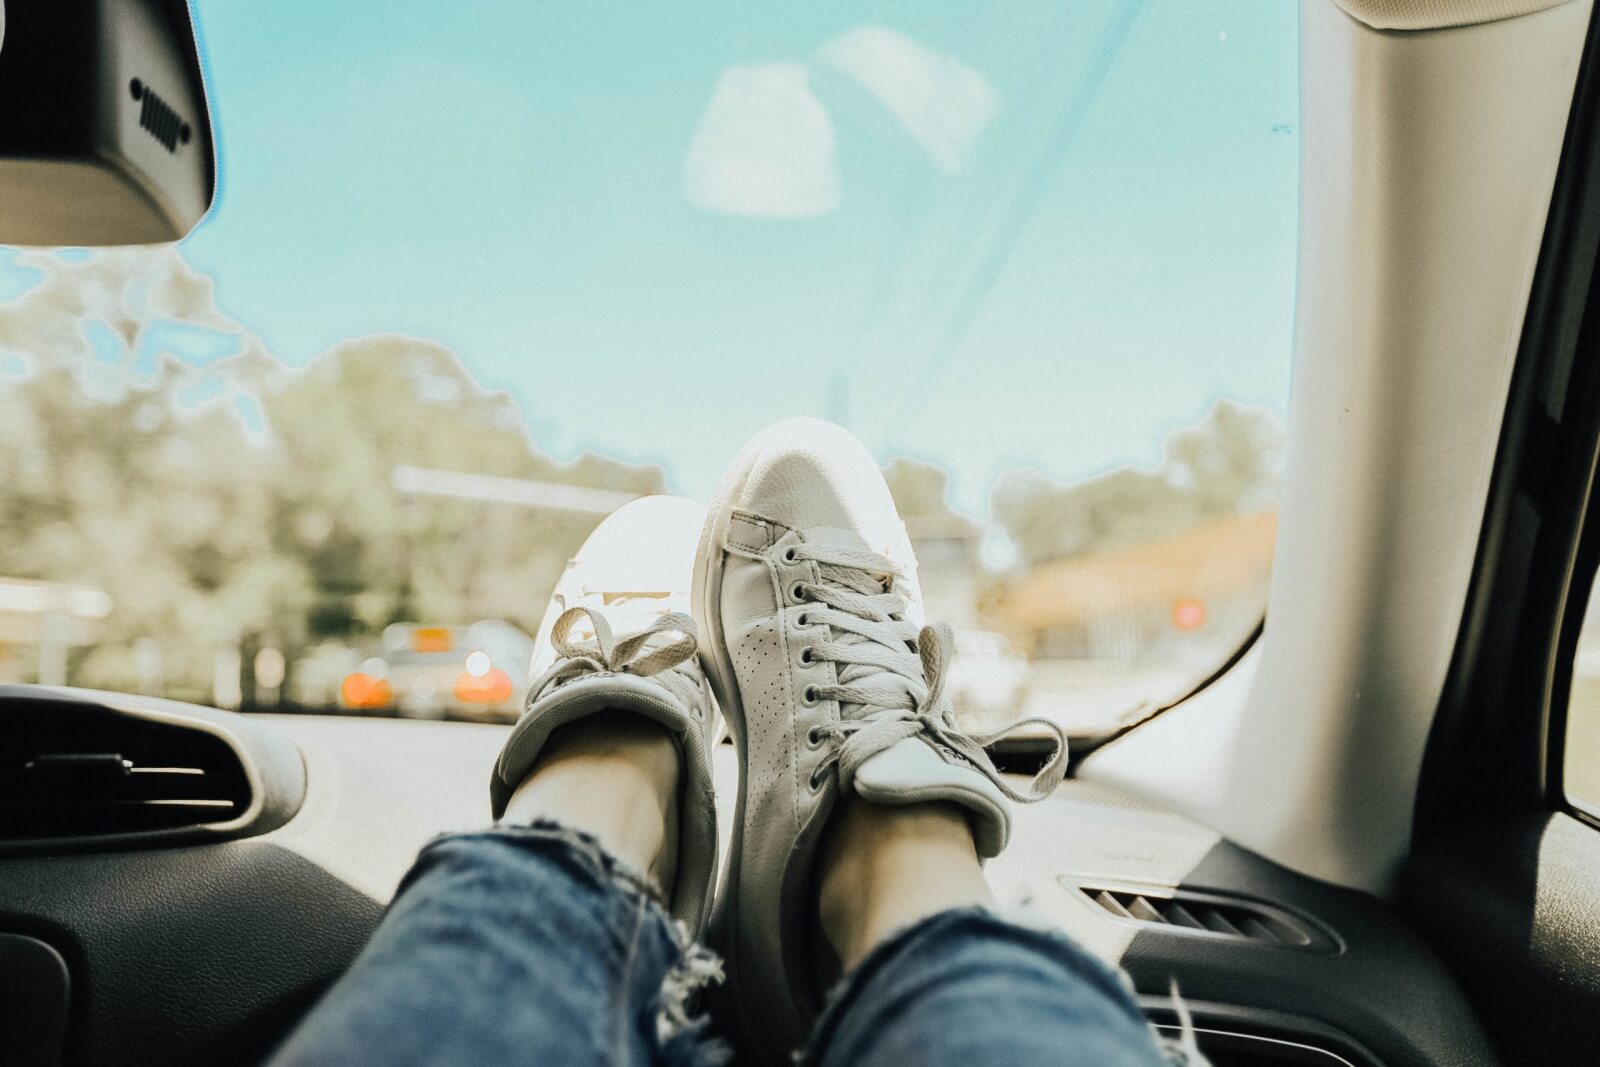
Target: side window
1582,771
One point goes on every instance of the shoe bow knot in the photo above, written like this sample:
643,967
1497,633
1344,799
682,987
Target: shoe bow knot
640,654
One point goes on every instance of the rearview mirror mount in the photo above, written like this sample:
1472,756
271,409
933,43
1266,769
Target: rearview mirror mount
105,134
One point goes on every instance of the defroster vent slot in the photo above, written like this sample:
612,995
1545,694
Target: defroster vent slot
1180,911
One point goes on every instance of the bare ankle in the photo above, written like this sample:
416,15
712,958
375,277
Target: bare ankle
613,775
884,868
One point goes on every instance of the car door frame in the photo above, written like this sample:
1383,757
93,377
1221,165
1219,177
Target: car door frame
1504,873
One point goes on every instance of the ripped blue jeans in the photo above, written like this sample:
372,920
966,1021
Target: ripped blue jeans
533,945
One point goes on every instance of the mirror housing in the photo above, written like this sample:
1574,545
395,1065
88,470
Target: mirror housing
105,133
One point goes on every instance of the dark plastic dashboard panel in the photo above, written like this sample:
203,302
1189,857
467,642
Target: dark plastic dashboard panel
1521,925
1238,1037
1383,995
1386,998
189,955
35,998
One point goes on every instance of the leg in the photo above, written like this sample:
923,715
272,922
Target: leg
535,941
810,615
543,940
938,977
886,868
633,811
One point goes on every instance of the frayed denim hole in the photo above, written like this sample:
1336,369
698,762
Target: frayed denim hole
681,1034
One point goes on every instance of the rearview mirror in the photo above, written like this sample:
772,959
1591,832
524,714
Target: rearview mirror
105,137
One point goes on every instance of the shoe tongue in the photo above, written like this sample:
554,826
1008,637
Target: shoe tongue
838,537
898,548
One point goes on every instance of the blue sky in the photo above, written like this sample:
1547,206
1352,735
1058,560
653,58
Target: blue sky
660,226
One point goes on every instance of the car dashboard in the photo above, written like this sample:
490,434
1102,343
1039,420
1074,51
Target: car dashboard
165,945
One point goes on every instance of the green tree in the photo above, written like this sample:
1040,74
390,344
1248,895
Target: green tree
223,498
920,490
1227,464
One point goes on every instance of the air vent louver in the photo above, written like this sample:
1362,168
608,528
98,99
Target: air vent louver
80,776
1206,915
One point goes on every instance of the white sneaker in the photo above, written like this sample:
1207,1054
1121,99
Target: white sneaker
632,574
806,595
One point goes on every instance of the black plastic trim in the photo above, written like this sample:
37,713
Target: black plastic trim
274,772
36,991
1309,934
1494,747
1500,879
1386,986
201,956
1265,1037
1512,903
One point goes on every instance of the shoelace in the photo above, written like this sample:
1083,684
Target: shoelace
631,655
856,600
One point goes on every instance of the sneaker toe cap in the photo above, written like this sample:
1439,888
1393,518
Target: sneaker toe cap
808,474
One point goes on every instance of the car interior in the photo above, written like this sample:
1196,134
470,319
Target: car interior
1352,845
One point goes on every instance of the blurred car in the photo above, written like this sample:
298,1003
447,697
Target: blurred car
988,680
319,673
477,672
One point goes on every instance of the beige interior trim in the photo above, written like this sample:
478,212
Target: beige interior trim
1427,161
1438,14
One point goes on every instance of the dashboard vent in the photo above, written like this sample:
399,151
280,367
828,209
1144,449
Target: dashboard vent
1207,915
77,776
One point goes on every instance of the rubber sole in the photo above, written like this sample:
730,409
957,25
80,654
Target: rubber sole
705,597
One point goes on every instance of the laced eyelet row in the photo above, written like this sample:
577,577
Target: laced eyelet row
814,740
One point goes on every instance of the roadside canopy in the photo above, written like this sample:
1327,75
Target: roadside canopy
1215,560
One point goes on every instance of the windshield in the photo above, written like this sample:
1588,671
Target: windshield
478,273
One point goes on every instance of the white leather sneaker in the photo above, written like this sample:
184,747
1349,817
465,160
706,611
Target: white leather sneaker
806,594
633,574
